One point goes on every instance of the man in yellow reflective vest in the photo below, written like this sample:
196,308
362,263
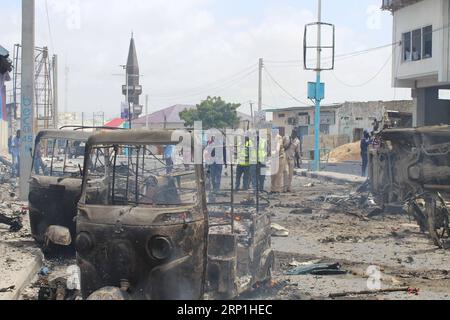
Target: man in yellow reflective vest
258,160
243,167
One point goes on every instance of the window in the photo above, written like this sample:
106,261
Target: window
407,46
281,115
418,44
59,158
325,129
134,176
427,42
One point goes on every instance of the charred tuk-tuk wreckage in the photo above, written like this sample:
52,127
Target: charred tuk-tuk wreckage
146,231
411,167
55,188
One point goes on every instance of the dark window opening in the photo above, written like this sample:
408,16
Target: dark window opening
427,42
407,46
417,45
325,129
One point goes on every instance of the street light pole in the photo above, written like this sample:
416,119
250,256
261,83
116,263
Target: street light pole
317,113
27,96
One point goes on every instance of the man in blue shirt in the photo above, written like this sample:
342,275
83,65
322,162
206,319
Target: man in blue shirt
15,150
168,156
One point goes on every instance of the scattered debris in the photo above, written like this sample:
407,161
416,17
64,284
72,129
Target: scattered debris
307,263
15,224
320,269
414,291
8,289
342,239
56,290
279,231
45,271
302,211
359,293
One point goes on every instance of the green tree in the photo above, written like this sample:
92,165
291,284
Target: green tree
213,113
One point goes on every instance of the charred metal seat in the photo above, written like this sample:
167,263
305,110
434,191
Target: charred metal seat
222,265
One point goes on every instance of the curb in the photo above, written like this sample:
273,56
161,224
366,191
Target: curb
331,177
24,277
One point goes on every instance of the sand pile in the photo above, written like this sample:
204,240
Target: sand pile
347,152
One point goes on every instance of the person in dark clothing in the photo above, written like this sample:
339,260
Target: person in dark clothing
365,143
216,167
215,160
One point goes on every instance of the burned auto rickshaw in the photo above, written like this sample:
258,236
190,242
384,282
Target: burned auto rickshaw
142,225
55,189
143,229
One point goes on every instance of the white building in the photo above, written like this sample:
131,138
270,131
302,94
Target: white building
421,55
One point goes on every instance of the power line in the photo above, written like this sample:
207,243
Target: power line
49,25
271,88
365,82
204,87
337,57
284,90
224,86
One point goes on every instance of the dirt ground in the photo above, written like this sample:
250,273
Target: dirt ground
391,244
322,232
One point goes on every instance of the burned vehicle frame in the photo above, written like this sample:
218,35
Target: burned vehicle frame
142,227
54,191
411,167
138,238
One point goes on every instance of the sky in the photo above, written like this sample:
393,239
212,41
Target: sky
189,49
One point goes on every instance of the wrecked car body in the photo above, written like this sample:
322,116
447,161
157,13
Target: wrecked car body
146,232
412,167
55,188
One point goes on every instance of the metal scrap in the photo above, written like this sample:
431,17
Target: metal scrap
319,269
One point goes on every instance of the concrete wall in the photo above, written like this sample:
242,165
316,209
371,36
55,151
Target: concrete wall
431,110
284,122
426,72
330,142
3,136
361,115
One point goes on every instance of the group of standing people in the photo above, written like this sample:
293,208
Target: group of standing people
252,162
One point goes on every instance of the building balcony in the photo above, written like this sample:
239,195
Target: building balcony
394,5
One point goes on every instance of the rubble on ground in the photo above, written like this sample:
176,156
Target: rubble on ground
11,211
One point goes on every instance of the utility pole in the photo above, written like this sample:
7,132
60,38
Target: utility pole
66,93
318,93
261,66
253,115
146,111
28,98
55,91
